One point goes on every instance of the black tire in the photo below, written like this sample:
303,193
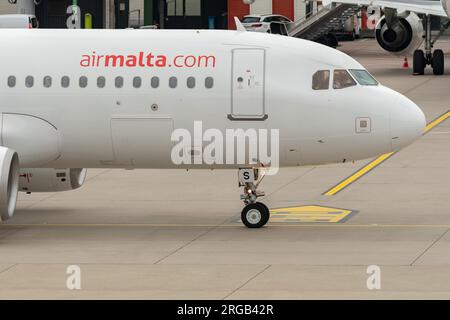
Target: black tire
437,63
255,215
419,63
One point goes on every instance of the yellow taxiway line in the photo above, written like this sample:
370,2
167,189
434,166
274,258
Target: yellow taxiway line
378,161
437,122
358,174
236,225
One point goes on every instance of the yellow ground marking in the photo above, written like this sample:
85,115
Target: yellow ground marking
378,161
437,122
231,225
314,214
358,174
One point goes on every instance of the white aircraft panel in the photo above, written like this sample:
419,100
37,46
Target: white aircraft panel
248,83
142,141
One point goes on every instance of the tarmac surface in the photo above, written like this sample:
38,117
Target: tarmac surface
149,234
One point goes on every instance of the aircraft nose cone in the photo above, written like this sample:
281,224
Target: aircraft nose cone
407,123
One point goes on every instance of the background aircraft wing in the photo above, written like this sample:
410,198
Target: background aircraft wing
418,6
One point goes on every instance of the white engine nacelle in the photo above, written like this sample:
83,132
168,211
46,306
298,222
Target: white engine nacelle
403,37
51,180
446,6
9,182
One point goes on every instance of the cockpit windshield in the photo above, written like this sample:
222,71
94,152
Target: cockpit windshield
342,80
363,77
321,80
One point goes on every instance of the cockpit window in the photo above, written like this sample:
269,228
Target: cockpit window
342,79
321,80
364,78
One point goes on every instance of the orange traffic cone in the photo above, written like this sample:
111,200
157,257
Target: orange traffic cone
405,63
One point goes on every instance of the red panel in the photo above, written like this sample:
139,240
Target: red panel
284,7
236,8
363,20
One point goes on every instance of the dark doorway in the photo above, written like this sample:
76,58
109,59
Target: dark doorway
52,13
122,8
214,14
196,14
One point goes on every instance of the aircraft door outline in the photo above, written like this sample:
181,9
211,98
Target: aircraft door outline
248,85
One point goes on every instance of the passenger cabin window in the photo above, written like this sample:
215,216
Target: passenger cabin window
342,79
190,82
83,82
137,82
173,82
155,82
321,80
101,82
11,81
364,78
29,81
209,82
47,82
65,82
119,82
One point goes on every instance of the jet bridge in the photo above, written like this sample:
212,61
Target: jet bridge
314,26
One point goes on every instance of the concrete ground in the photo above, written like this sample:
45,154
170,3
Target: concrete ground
175,234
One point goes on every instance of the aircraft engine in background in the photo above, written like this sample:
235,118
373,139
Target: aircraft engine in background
446,5
51,180
9,182
402,36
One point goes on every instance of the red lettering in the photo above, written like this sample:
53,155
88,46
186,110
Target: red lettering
99,61
161,61
206,61
114,60
131,61
85,61
150,60
146,60
141,59
190,61
175,62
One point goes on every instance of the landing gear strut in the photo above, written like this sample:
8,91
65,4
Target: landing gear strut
422,59
255,214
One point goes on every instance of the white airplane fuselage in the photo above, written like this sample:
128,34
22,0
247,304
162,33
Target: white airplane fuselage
242,80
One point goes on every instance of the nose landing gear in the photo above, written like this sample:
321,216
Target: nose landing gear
255,214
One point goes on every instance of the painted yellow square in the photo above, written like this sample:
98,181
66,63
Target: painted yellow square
310,214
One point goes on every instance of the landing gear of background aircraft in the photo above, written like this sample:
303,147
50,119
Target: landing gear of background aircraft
422,59
436,60
419,62
437,63
255,214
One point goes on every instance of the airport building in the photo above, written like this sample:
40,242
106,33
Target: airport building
169,14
